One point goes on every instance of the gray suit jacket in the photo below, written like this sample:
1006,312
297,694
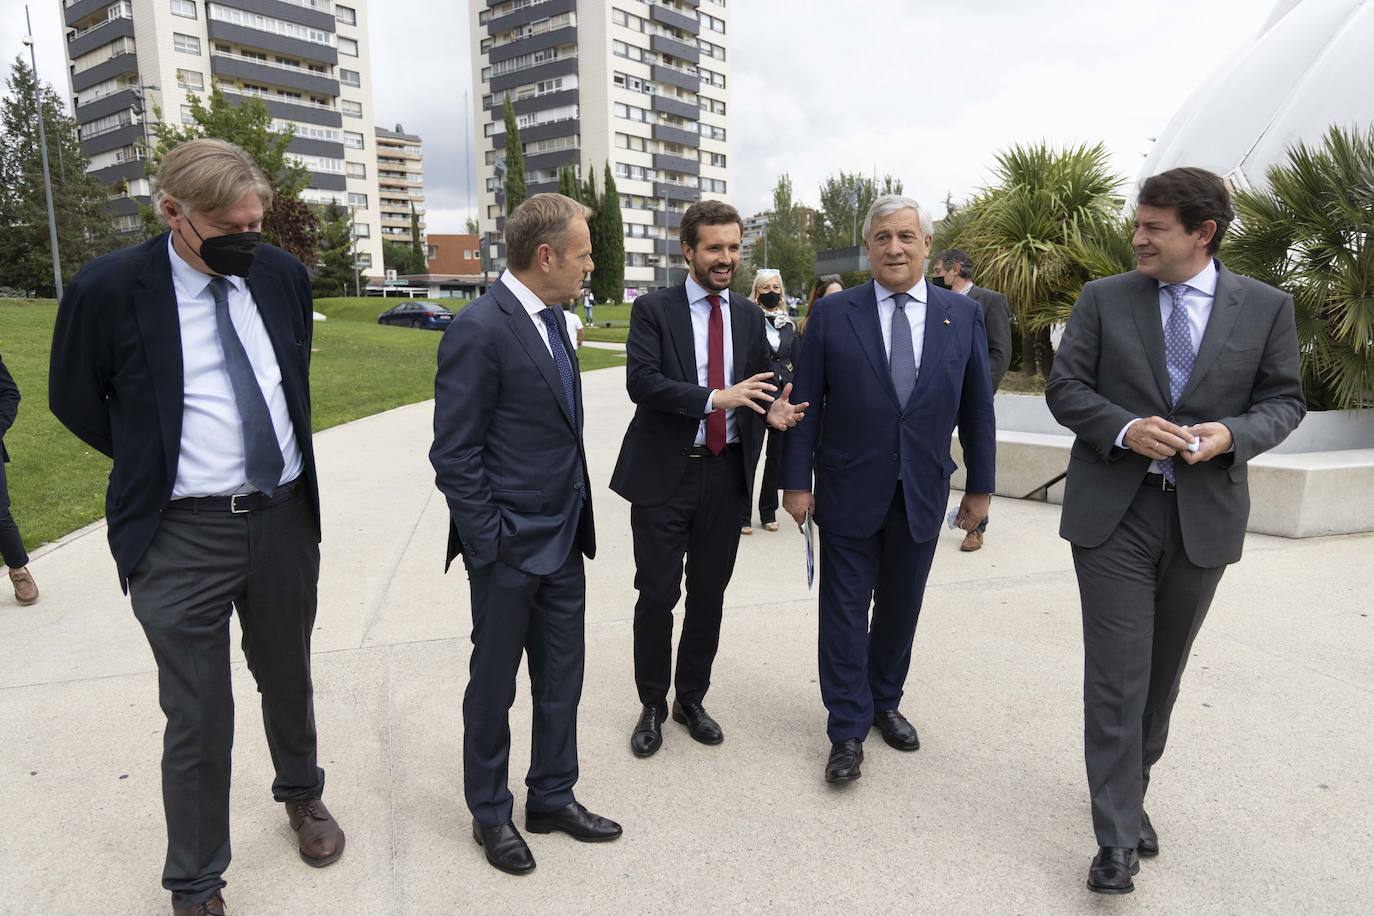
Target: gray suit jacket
1110,369
997,316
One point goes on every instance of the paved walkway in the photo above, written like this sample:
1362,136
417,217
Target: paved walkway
1263,803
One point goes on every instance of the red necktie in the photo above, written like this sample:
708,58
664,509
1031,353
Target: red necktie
715,375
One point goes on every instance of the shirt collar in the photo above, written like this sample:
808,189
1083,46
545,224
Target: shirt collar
698,293
532,303
191,282
917,292
1205,282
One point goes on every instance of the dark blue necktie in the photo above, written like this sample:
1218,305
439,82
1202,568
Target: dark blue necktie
552,319
901,357
1178,356
262,456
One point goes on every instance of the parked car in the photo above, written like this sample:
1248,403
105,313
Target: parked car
417,315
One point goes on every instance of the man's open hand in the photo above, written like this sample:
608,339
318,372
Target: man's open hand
784,414
747,393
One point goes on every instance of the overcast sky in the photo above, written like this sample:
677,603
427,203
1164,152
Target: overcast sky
926,91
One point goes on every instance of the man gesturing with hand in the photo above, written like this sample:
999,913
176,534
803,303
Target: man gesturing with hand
697,370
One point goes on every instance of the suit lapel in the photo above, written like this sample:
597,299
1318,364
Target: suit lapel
938,331
1145,311
522,327
155,309
863,315
740,320
1226,308
679,324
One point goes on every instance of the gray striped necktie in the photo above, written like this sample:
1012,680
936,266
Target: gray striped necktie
901,358
262,456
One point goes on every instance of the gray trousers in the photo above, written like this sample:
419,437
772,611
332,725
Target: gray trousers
266,564
1143,604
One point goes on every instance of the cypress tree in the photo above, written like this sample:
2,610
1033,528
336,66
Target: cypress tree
515,162
567,183
608,280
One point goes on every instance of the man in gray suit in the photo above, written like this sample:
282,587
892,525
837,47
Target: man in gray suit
954,268
1172,377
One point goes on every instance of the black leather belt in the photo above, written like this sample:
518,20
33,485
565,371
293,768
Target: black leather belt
1157,482
701,451
238,504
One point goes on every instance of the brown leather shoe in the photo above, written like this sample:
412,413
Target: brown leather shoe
212,907
972,541
25,591
321,839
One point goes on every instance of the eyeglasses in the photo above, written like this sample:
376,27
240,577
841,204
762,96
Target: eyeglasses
828,279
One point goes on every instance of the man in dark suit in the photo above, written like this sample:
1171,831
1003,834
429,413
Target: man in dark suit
186,359
1172,377
954,267
509,459
697,369
891,366
11,544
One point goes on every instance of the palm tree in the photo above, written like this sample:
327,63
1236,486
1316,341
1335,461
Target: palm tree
1050,223
1311,232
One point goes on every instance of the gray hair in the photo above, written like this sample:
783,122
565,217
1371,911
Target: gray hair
889,204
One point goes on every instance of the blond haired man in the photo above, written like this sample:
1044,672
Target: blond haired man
186,360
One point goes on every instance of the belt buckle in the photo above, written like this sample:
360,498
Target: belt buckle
234,504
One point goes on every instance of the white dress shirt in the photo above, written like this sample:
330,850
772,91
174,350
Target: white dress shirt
574,325
533,306
1197,302
211,461
774,335
701,329
915,316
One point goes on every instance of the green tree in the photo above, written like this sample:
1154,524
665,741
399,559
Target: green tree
845,199
608,280
592,200
290,223
789,242
335,276
85,225
567,183
515,162
402,258
470,226
1050,223
417,243
1311,233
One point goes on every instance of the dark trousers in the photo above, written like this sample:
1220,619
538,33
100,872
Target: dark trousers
515,614
11,544
699,522
1143,603
768,485
266,564
863,666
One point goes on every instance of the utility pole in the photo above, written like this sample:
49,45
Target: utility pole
43,155
467,157
353,246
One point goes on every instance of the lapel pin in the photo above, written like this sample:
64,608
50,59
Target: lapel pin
946,321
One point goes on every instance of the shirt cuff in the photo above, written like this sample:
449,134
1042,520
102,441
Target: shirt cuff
1121,436
710,402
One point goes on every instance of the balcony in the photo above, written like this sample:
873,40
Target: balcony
669,219
532,103
675,77
130,170
118,65
238,66
677,164
317,14
227,32
666,15
676,107
665,191
289,109
76,10
533,13
101,33
114,138
105,105
531,43
563,66
678,135
568,127
674,48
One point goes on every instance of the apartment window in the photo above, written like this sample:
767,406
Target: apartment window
346,14
353,140
186,117
350,77
351,108
262,23
361,231
184,8
186,44
713,186
191,79
364,259
348,46
711,22
357,200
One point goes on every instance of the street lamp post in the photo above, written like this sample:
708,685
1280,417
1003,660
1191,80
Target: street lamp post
43,156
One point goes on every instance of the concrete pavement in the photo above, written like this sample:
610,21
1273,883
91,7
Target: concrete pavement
1263,802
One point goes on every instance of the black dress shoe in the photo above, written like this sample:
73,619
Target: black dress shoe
648,734
845,757
698,722
1112,869
574,820
1149,840
896,730
505,848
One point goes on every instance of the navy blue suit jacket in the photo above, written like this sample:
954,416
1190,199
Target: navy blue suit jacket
116,377
856,435
507,454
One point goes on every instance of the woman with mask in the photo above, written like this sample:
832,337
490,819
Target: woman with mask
781,332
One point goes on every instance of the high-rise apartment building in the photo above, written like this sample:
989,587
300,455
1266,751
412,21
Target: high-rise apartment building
642,85
400,184
134,60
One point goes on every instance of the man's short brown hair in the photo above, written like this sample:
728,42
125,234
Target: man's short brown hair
707,213
541,220
1197,195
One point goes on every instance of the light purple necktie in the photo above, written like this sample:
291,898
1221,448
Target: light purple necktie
1178,356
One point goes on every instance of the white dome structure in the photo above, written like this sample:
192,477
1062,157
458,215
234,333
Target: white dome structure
1310,66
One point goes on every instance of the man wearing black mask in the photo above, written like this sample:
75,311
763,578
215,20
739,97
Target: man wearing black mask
186,360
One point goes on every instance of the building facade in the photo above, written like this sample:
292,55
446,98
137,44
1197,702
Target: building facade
400,184
641,85
132,61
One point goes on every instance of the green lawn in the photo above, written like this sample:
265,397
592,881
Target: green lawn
359,368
